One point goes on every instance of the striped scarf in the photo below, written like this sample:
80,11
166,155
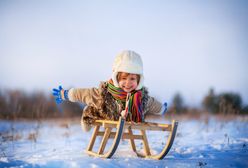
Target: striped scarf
134,104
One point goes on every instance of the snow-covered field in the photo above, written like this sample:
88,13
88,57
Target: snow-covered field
61,143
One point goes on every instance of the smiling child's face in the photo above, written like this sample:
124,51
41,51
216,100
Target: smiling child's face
128,82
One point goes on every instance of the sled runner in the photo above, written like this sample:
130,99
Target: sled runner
121,129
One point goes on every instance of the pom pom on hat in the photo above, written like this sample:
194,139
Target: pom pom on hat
129,62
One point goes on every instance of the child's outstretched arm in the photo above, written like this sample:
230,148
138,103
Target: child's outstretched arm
155,107
60,94
88,96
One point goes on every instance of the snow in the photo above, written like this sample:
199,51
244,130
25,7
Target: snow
208,142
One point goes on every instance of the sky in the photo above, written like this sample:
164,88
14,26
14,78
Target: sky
187,47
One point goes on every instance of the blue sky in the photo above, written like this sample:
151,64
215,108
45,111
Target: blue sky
187,47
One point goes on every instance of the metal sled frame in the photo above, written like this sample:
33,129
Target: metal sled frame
119,133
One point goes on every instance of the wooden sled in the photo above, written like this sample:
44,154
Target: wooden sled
116,130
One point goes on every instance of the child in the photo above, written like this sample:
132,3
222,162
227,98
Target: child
123,95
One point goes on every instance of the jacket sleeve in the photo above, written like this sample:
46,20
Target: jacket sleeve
89,96
153,106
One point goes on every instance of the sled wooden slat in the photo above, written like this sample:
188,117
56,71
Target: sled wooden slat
130,132
109,154
145,142
124,135
145,125
93,138
116,130
104,140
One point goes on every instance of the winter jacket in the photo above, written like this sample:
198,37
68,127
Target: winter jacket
102,105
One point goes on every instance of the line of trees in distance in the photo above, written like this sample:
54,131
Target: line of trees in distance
16,104
223,103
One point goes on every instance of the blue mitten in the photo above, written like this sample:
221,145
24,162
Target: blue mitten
164,109
60,95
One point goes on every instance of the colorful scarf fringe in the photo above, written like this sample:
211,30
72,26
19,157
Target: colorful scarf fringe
134,103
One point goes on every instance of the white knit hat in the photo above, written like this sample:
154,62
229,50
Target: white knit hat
130,62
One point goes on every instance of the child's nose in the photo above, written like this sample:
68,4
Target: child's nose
128,81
